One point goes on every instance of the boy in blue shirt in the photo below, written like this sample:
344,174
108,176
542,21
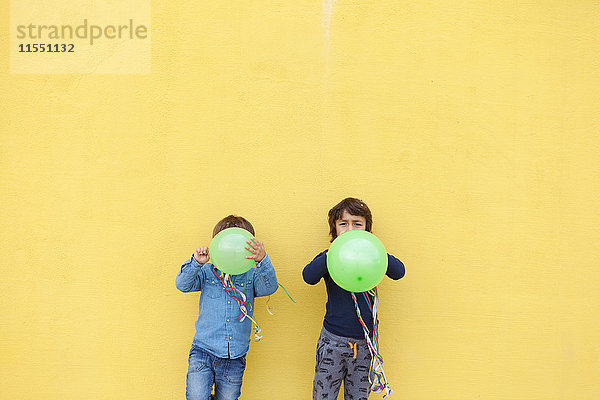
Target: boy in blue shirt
342,350
222,339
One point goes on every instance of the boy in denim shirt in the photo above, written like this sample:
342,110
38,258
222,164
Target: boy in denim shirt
222,339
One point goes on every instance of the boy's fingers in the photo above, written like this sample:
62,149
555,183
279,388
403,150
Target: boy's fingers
202,250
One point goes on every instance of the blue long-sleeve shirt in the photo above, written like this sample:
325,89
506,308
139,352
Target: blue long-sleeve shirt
218,329
340,316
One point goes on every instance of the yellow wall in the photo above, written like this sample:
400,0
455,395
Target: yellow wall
469,128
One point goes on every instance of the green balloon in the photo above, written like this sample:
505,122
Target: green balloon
357,261
228,251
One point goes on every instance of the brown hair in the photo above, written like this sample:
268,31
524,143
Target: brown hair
354,207
232,221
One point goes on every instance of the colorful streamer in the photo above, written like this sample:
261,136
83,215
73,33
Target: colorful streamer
230,288
380,383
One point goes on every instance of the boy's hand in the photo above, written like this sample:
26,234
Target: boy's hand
201,255
257,249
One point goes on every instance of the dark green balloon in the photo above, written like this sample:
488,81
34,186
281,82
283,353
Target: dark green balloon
357,261
228,251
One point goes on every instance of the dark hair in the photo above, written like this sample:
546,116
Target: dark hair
232,221
354,207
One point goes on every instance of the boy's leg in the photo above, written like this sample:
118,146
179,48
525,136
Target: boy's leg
329,368
228,378
356,383
200,376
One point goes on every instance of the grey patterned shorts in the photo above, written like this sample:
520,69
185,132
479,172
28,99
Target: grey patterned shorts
341,359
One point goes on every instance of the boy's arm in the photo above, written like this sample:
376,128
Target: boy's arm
317,268
265,282
189,276
395,268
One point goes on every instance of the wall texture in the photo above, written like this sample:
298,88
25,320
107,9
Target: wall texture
470,129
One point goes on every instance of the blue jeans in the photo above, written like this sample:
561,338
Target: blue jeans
204,370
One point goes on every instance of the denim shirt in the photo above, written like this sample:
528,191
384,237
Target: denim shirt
218,329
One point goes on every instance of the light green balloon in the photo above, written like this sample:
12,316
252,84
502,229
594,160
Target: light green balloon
357,261
228,251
